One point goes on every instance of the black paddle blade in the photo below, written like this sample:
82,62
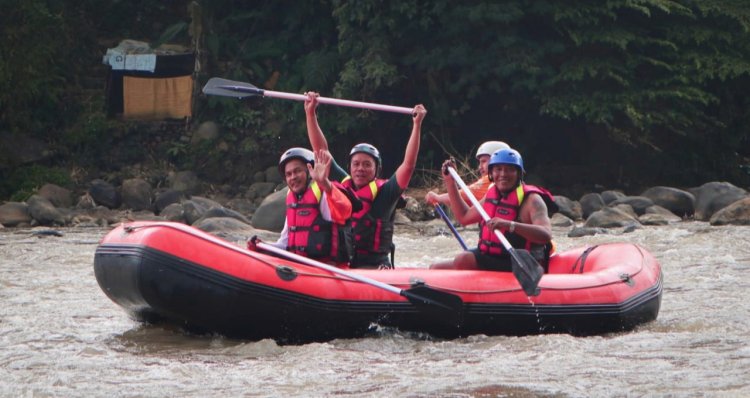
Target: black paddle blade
447,305
230,88
528,271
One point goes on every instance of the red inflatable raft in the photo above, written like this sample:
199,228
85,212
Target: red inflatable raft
173,273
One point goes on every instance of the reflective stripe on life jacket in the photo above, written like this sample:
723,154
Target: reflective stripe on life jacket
309,234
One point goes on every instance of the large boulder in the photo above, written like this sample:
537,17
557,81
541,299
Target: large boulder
223,212
738,213
714,196
657,215
14,213
610,217
44,212
104,194
561,220
638,203
680,203
137,194
234,230
166,198
569,208
590,203
196,207
57,195
271,213
610,196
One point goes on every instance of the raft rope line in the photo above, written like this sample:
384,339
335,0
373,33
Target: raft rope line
248,253
582,259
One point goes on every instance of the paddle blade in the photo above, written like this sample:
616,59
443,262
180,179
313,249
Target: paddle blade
447,305
527,270
230,88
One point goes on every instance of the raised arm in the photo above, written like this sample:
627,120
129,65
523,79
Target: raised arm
314,133
406,169
464,214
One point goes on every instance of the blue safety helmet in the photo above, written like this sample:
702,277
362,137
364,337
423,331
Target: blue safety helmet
369,150
506,156
302,154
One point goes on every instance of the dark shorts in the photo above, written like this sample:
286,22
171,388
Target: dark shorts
491,263
372,262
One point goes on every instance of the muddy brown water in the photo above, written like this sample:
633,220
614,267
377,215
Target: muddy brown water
60,336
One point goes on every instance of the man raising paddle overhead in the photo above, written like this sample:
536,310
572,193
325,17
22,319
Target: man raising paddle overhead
372,226
516,209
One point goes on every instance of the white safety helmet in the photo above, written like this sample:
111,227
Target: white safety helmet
490,147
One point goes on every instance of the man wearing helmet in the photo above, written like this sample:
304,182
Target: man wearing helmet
317,210
480,186
518,210
372,226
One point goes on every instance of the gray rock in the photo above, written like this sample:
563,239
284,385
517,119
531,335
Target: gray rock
656,209
57,195
223,212
569,208
13,214
417,210
560,220
714,196
578,232
196,207
166,198
590,203
44,212
104,194
656,219
680,203
609,217
626,208
234,230
174,212
738,213
136,194
638,203
271,213
260,190
610,196
244,206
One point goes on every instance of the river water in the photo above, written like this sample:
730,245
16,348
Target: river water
61,336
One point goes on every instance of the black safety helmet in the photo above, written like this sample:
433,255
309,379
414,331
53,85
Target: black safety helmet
369,150
302,154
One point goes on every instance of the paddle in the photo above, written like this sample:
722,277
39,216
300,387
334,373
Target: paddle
448,306
230,88
526,269
450,225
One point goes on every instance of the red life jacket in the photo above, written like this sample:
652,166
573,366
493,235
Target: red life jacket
507,208
309,234
371,236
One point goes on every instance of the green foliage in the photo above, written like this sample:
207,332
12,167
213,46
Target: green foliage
23,182
32,70
574,85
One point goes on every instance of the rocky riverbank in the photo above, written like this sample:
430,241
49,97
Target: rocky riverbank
259,209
